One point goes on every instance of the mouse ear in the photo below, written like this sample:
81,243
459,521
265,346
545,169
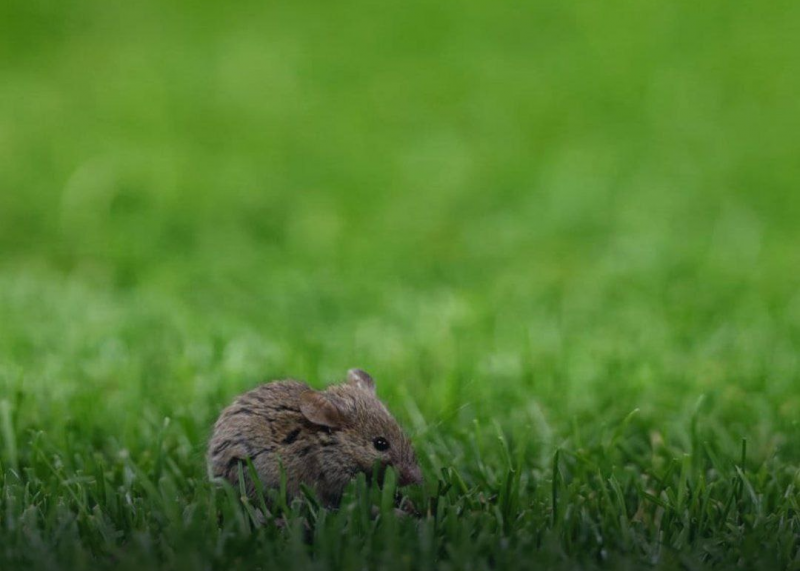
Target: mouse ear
319,409
361,379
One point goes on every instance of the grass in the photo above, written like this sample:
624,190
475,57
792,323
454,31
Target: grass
563,238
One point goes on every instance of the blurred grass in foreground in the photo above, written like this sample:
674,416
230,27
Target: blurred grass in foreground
526,221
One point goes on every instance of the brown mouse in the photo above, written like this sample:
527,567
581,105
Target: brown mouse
321,438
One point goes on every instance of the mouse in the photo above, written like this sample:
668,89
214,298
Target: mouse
320,438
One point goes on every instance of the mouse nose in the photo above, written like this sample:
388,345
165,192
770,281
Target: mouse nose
410,476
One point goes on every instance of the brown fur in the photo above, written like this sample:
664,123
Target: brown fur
321,438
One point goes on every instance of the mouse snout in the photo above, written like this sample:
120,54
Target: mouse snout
410,476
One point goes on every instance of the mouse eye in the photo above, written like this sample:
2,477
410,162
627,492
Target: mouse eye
381,443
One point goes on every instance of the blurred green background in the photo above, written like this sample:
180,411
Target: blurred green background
543,213
526,220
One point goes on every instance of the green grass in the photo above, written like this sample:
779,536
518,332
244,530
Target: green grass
563,238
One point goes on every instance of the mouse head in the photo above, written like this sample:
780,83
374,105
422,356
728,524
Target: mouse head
362,429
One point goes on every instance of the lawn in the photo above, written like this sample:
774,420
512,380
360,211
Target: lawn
564,238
